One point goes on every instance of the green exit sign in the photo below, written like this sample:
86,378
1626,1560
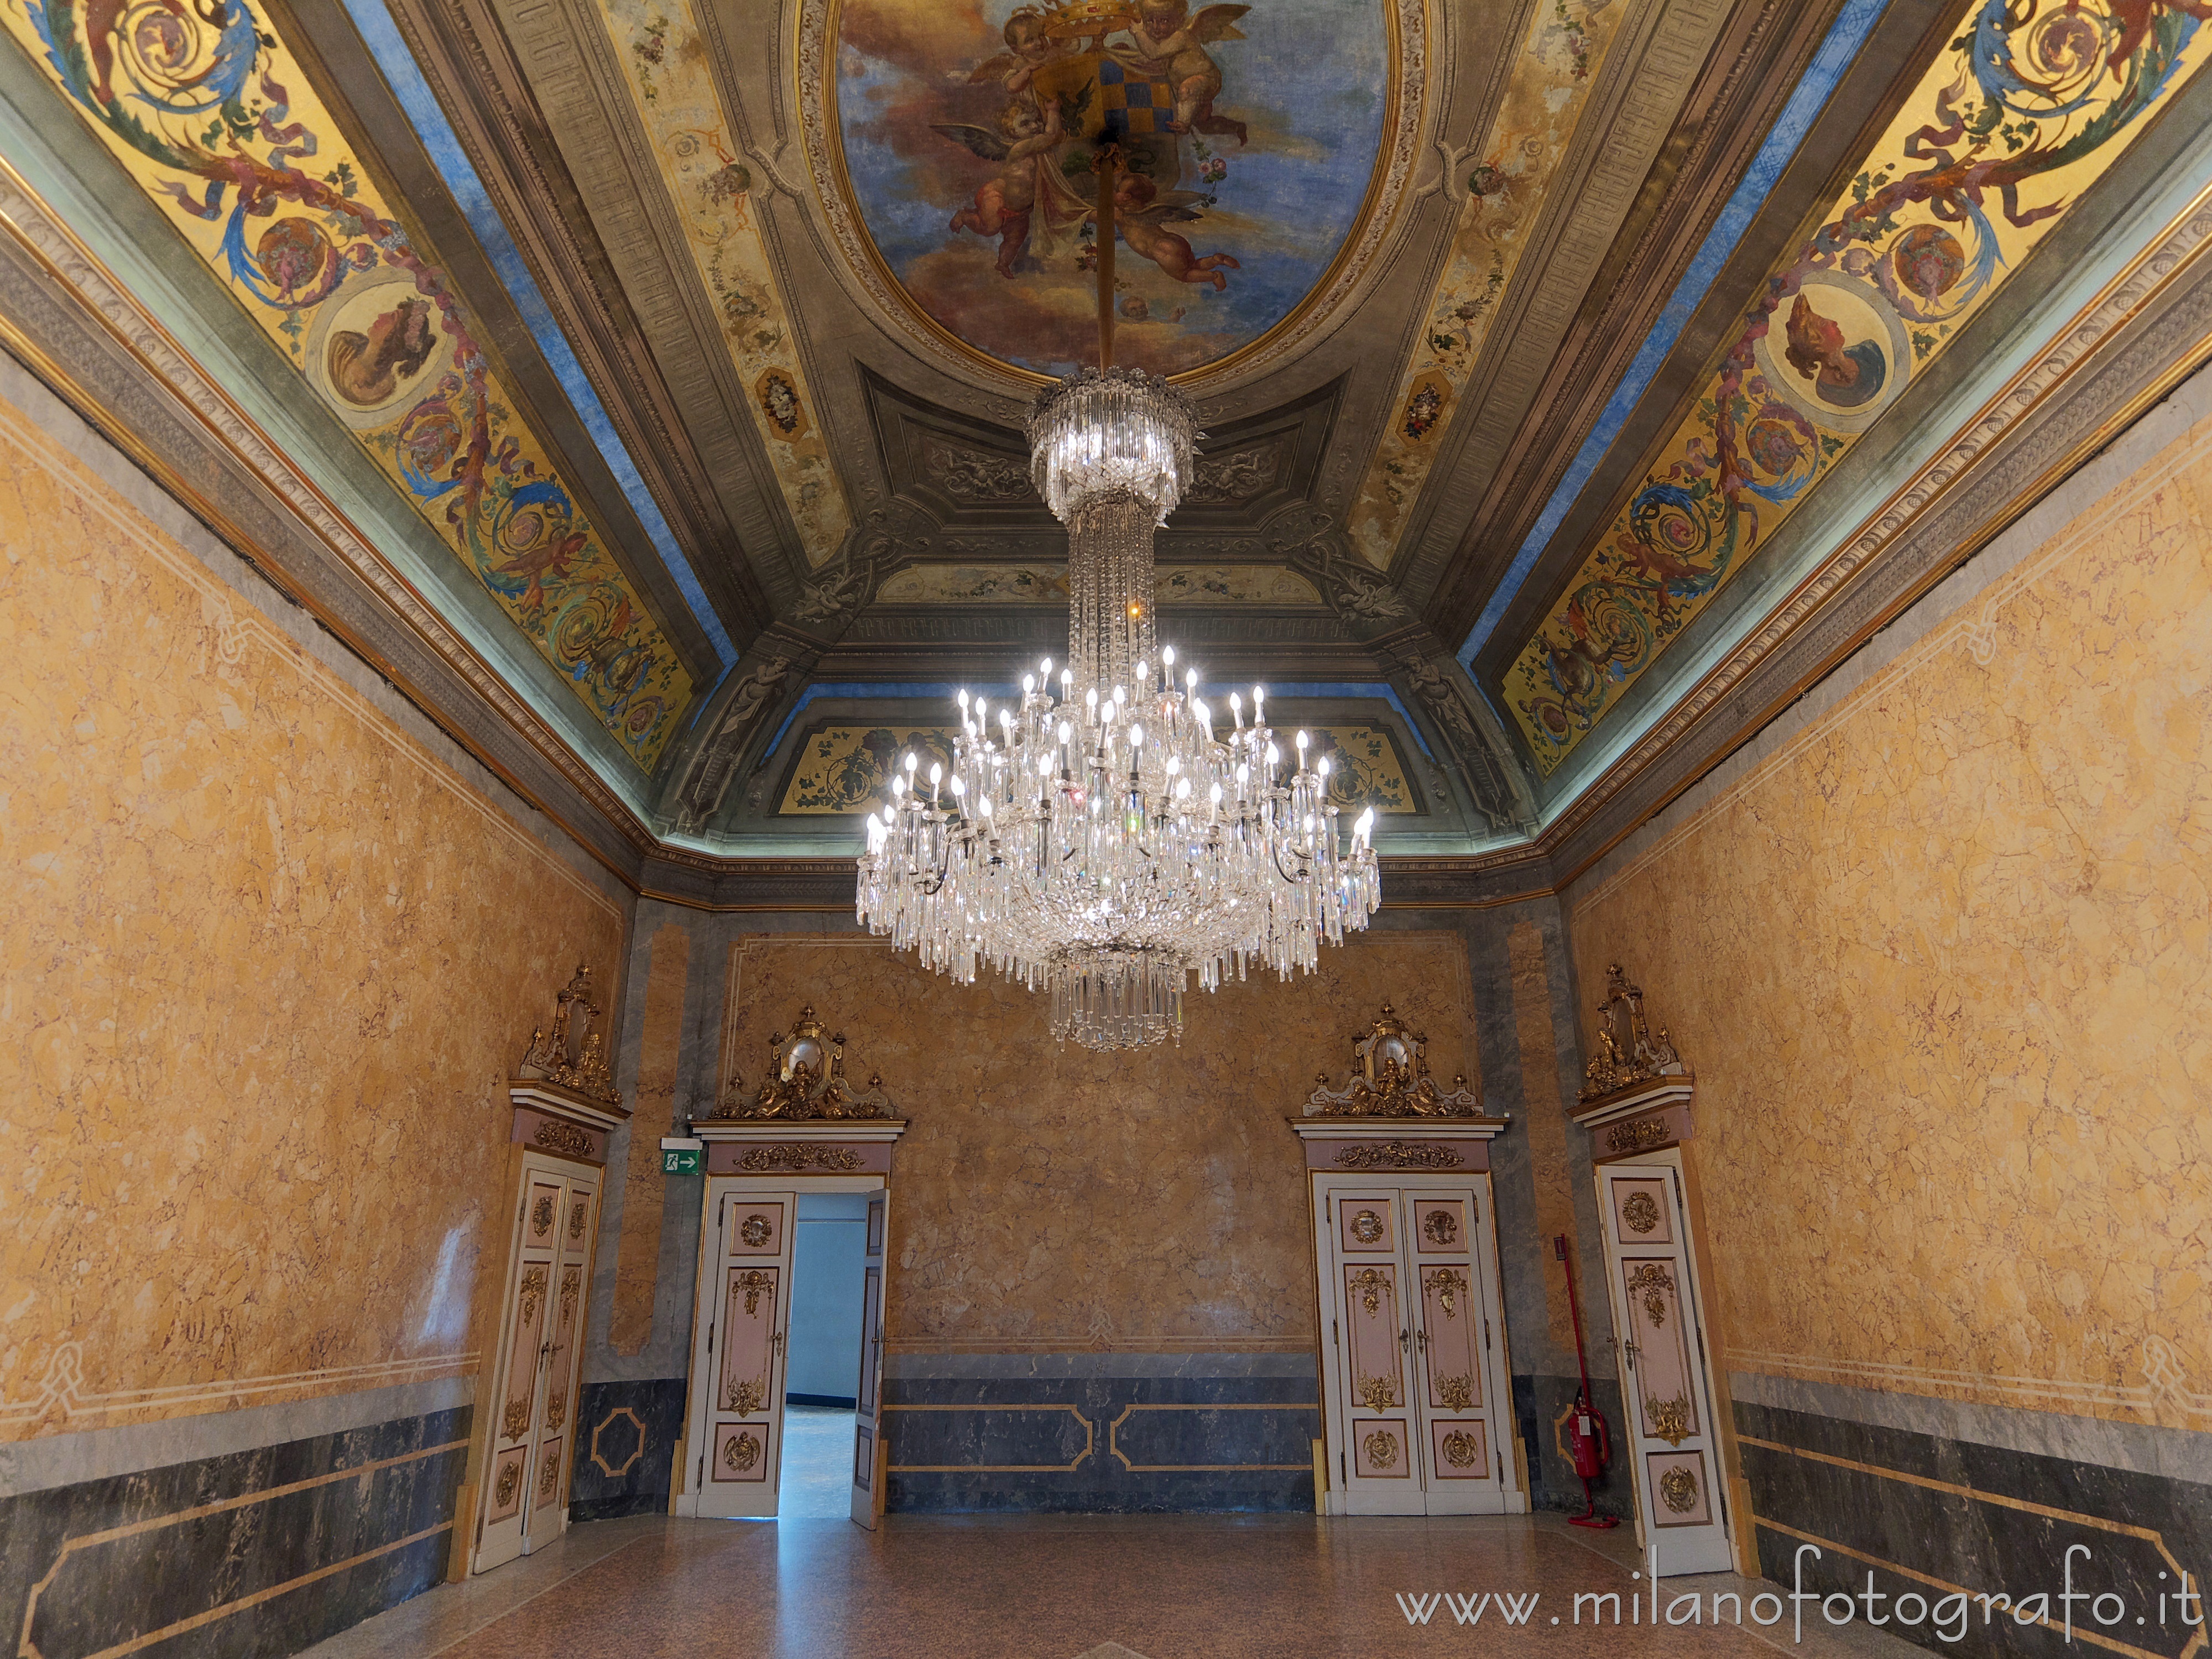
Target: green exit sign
679,1156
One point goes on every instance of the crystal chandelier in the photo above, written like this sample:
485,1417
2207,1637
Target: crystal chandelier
1104,838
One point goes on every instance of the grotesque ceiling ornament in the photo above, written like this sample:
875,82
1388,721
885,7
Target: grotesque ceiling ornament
805,1080
1391,1079
1627,1053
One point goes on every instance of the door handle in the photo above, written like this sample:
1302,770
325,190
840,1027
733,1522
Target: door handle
1404,1341
1629,1348
1421,1340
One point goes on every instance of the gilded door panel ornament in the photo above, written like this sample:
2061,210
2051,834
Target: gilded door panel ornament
1441,1228
1378,1393
556,1411
1461,1448
1640,1213
806,1080
1678,1490
509,1479
1397,1155
549,1472
1627,1053
1382,1449
571,1288
533,1294
741,1452
1367,1227
541,1215
1455,1393
745,1398
1669,1419
1370,1284
1651,1281
1390,1079
1447,1285
752,1282
756,1230
514,1422
577,1212
572,1054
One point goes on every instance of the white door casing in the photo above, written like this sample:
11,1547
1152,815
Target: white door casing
1673,1444
525,1500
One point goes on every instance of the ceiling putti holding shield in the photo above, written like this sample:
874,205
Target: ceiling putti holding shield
1552,355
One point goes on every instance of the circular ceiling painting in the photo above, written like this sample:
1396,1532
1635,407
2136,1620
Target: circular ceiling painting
1252,139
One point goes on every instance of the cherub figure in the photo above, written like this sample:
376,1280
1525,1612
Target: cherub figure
1170,45
1029,47
1140,214
1003,204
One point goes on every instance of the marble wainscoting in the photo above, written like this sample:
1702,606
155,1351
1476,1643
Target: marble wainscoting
1936,1497
251,1531
1114,1433
625,1451
1539,1403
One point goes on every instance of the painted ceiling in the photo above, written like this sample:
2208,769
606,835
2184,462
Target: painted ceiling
677,350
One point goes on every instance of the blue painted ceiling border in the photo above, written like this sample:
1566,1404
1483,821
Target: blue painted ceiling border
437,136
1845,38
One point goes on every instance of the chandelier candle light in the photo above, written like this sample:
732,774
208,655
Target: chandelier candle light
1104,838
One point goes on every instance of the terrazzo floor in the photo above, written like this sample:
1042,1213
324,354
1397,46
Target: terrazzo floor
1067,1587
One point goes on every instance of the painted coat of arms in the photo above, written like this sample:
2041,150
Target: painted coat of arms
1248,137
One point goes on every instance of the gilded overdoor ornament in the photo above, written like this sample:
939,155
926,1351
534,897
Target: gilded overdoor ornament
572,1053
1397,1155
1627,1053
557,1136
1461,1448
1640,1213
1455,1393
1669,1419
1650,1280
1382,1449
1678,1490
805,1080
1390,1079
1639,1134
792,1159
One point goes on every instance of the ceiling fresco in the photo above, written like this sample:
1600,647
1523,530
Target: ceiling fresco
219,126
1505,181
1249,137
1526,325
2024,111
665,71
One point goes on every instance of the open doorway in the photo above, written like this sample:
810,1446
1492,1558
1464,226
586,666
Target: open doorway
829,1257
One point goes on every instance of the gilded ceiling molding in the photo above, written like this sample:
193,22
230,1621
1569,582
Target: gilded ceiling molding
1954,479
1977,165
77,273
1506,190
1407,119
665,66
333,279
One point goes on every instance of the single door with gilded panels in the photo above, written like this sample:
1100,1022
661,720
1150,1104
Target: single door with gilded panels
867,1417
736,1441
1672,1448
525,1502
1458,1328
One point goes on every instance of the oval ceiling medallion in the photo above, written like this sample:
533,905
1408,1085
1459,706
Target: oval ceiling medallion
953,146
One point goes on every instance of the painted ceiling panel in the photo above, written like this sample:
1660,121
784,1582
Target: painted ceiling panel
2006,130
218,124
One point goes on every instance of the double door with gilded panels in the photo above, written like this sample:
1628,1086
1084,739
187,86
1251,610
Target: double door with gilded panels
525,1502
1413,1352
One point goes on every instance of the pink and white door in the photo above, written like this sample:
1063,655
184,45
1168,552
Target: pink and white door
1416,1382
1673,1443
525,1502
867,1425
734,1442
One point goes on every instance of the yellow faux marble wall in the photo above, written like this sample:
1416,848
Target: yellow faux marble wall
1938,964
266,965
1049,1199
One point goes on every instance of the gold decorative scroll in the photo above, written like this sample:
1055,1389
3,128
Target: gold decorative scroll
795,1158
1397,1155
557,1136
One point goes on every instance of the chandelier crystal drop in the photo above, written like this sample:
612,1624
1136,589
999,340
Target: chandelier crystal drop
1110,835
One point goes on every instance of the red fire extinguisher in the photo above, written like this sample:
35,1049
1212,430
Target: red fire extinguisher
1588,1443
